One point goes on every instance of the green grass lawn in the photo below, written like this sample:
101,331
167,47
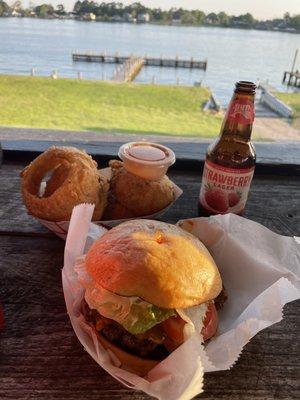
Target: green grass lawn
107,107
293,100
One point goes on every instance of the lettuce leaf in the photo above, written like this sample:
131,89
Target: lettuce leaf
143,316
134,314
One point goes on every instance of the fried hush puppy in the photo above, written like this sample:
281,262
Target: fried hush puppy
131,196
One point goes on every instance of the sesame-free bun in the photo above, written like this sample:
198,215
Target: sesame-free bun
158,262
129,362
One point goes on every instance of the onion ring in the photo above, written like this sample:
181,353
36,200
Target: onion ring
75,179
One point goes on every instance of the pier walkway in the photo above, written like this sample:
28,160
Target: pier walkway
129,70
148,61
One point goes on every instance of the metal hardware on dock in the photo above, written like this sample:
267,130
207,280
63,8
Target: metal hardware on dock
148,61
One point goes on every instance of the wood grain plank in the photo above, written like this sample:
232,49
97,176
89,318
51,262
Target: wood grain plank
280,158
273,201
41,358
283,153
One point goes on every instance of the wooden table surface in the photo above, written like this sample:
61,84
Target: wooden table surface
40,356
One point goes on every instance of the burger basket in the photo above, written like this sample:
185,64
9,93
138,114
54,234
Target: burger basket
61,228
260,271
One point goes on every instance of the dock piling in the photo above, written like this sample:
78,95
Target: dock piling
292,78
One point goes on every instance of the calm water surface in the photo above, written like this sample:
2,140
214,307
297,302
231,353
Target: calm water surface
232,54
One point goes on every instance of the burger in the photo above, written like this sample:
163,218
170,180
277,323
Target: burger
143,280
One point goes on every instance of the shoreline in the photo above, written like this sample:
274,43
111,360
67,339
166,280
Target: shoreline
155,23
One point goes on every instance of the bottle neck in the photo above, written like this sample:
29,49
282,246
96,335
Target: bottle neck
239,117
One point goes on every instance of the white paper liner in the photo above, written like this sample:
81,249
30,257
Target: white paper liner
261,273
61,228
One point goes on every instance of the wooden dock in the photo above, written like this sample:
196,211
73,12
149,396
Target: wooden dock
148,61
129,70
291,78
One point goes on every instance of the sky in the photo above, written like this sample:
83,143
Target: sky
261,9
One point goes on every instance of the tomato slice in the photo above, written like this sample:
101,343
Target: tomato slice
174,326
210,323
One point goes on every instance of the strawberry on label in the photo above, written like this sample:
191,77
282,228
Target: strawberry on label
216,199
224,189
233,199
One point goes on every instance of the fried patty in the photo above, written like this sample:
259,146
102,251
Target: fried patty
149,345
144,347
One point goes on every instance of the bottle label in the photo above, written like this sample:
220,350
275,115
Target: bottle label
241,111
225,190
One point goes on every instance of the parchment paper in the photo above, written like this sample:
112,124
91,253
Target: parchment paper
261,273
61,228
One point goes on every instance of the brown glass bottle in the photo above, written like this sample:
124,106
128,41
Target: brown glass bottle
230,159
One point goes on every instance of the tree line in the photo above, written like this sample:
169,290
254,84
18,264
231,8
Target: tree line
117,11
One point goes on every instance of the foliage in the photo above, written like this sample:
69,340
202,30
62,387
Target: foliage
108,11
295,22
187,17
44,10
4,7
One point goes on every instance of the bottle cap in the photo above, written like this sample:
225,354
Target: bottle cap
146,160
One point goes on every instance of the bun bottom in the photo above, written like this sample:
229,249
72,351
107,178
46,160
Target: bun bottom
129,362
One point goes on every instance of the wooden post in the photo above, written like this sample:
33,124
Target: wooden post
294,62
284,77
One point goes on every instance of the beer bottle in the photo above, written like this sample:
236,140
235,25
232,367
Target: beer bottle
230,159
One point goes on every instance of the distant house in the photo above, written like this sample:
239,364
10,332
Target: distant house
89,17
282,25
117,18
176,21
16,14
129,18
143,18
71,15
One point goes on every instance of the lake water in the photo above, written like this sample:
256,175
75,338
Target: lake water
232,54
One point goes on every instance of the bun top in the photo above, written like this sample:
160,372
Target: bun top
158,262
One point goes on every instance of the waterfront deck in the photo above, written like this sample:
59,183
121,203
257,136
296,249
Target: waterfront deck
148,61
291,78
